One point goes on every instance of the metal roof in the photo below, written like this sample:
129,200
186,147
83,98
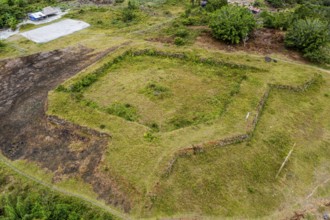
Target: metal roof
49,11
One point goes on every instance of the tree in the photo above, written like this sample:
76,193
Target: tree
213,5
307,35
310,36
232,24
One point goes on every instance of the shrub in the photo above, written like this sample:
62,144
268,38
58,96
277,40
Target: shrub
321,55
128,15
149,136
2,45
279,20
258,3
182,32
179,122
83,83
276,3
307,35
283,3
125,111
61,88
119,1
179,41
154,126
12,23
232,24
156,91
213,5
133,5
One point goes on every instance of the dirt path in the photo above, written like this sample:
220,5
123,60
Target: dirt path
26,132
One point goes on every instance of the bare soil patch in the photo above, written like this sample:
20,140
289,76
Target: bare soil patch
263,41
26,132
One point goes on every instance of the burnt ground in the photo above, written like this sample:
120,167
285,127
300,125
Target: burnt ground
27,133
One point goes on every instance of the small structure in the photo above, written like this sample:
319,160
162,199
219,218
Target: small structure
37,16
40,15
49,11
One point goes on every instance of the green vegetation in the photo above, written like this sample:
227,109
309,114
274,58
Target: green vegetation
247,171
166,100
278,20
11,12
226,92
213,5
156,100
309,36
232,24
123,110
2,45
22,199
156,91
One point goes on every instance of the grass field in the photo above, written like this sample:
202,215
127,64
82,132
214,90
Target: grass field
139,154
153,106
165,94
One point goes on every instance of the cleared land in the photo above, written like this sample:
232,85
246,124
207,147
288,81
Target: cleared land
54,31
140,155
167,93
111,137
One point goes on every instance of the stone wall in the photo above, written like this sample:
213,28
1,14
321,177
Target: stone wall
200,148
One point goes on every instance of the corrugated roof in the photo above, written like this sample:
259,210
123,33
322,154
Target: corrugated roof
49,11
37,15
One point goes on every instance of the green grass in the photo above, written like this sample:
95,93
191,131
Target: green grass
151,107
168,92
141,149
241,178
21,198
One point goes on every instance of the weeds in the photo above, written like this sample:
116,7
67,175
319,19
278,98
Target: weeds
156,91
125,111
2,45
149,136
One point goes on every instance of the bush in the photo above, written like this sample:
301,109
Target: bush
133,5
258,3
311,37
276,3
282,3
182,32
155,91
125,111
279,20
61,88
232,24
311,11
179,41
307,35
83,83
195,16
128,15
149,136
119,1
321,55
213,5
2,45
